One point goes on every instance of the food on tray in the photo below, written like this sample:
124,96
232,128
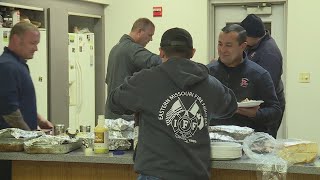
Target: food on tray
12,139
52,144
299,151
11,145
234,132
246,100
262,147
249,103
19,133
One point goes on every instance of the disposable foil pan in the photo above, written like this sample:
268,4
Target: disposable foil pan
12,144
52,148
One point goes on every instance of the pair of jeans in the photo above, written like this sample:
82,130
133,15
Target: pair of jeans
146,177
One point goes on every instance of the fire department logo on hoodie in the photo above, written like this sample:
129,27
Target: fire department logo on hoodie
185,113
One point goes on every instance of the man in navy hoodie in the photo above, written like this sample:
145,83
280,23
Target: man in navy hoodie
263,50
175,101
247,80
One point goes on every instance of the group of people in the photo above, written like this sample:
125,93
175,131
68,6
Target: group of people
177,99
173,98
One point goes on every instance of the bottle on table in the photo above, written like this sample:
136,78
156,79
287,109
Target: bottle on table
101,137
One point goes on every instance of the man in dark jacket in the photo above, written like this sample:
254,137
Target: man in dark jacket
128,56
263,50
175,100
247,79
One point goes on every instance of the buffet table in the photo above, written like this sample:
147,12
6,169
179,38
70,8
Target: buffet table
78,165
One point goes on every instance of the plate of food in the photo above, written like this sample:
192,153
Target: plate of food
249,103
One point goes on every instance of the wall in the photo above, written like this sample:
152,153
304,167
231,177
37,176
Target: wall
302,56
189,14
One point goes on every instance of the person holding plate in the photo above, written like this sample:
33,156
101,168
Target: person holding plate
247,79
263,50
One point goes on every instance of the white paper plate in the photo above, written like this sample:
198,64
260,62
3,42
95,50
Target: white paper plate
224,158
251,103
226,145
225,150
219,155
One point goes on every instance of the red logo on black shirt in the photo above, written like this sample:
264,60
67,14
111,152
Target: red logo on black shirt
244,82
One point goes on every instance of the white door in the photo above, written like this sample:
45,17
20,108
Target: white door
274,22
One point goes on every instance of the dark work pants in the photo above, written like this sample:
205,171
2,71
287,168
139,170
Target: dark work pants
5,170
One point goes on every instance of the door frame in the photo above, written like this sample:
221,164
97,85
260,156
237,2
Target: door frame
211,23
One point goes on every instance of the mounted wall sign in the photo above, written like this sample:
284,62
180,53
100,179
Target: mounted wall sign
157,11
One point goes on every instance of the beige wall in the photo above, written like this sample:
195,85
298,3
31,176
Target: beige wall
303,56
189,14
302,52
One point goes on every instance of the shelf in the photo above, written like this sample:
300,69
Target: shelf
82,22
34,14
21,6
84,15
103,2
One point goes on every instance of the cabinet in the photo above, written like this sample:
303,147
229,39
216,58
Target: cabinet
16,12
39,64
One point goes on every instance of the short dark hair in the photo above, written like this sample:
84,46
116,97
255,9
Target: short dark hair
182,52
242,34
177,42
22,27
141,23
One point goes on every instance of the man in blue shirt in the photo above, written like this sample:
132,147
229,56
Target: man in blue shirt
17,94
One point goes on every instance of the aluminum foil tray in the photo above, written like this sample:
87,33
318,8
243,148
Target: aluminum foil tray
52,149
12,144
12,139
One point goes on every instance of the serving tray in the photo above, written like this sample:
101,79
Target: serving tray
12,144
52,149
